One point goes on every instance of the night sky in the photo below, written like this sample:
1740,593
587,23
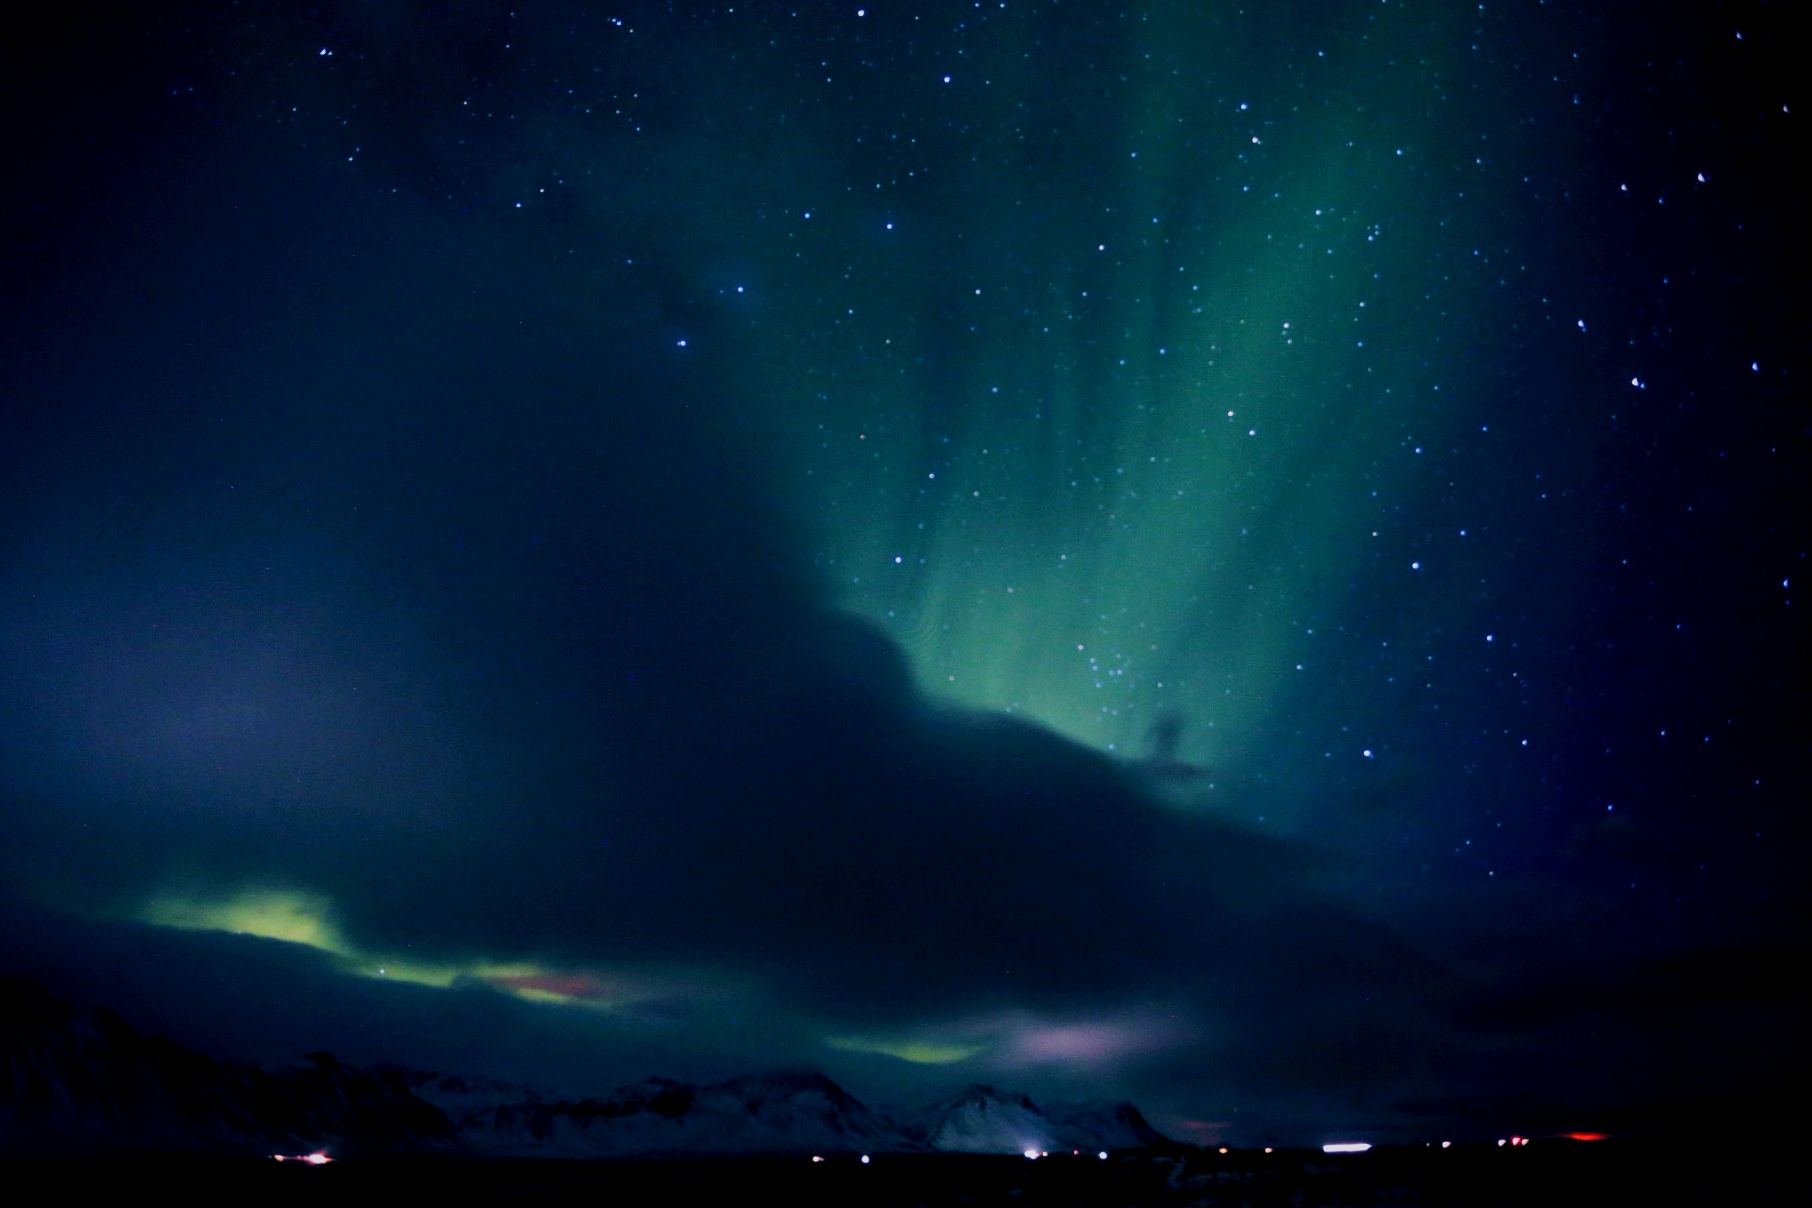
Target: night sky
1242,557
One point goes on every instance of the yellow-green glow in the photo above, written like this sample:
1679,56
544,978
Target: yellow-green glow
272,914
918,1052
296,917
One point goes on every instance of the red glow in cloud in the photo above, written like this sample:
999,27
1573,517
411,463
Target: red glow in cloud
559,985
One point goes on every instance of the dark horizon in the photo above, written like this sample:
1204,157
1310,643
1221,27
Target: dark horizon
1238,561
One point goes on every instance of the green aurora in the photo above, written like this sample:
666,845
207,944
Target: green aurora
1117,420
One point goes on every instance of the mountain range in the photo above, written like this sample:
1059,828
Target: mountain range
86,1083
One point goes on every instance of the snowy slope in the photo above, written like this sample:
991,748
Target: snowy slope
983,1120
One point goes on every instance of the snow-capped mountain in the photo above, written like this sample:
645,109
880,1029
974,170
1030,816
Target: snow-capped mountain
85,1082
984,1120
76,1083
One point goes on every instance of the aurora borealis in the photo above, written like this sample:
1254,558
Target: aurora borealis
1064,458
1239,555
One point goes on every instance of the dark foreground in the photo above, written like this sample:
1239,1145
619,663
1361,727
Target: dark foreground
1542,1174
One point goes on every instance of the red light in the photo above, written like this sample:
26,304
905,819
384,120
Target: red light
1587,1136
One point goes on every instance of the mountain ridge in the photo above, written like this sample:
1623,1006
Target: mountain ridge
79,1083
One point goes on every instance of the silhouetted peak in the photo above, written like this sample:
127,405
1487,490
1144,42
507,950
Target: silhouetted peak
26,1004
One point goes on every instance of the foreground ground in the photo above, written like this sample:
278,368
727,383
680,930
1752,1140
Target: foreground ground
1543,1174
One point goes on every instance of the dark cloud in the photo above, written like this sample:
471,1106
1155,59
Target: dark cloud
492,634
494,637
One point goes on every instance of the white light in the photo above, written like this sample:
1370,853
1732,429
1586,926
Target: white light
864,1159
816,1158
1102,1155
1447,1145
1032,1153
1346,1147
